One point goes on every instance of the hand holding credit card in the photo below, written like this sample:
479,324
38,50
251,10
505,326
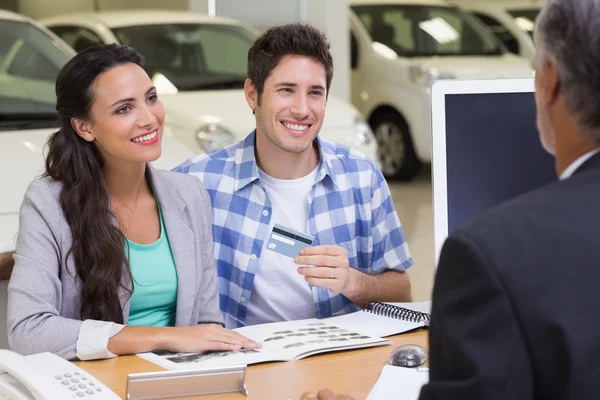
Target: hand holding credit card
288,242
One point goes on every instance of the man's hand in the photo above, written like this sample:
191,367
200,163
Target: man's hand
324,394
332,269
6,265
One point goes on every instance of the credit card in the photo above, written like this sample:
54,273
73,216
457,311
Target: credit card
288,242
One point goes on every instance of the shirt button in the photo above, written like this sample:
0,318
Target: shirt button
253,257
243,299
265,212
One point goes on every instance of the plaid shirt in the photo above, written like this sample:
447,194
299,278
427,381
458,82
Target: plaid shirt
351,207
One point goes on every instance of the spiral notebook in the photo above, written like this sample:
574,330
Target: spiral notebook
386,319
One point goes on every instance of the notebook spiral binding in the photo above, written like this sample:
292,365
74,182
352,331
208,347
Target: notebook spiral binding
388,310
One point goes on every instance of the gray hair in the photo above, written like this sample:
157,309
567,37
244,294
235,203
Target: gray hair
568,33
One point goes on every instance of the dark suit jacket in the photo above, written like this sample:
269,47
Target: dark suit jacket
516,302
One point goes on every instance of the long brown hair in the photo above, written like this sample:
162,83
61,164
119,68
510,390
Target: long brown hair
98,250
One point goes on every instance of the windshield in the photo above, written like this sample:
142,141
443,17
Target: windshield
29,64
192,56
419,31
525,19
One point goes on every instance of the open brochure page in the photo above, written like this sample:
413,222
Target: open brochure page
373,324
282,341
211,359
378,325
298,339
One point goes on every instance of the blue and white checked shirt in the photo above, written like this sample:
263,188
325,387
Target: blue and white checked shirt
351,207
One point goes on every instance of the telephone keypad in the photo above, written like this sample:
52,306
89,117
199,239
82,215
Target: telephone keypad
81,385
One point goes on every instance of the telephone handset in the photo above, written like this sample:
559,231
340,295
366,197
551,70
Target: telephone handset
45,376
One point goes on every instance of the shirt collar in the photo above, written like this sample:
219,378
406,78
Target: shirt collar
570,170
246,169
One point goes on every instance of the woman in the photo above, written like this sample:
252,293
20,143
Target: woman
113,257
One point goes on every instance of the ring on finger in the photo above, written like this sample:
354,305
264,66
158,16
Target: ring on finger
332,273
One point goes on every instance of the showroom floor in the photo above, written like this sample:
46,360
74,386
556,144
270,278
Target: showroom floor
414,205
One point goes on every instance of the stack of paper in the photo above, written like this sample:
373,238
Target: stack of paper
399,383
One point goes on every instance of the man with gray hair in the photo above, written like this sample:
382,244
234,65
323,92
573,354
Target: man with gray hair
514,305
514,310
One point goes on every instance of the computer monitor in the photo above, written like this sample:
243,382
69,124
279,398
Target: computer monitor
485,149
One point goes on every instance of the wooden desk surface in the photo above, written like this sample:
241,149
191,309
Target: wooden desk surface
351,372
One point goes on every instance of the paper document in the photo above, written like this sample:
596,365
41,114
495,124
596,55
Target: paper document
399,383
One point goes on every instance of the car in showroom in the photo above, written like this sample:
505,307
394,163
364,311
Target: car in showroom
398,49
30,59
199,64
512,21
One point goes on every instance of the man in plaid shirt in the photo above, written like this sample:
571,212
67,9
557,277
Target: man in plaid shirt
283,173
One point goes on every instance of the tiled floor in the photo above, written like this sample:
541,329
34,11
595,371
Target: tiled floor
413,202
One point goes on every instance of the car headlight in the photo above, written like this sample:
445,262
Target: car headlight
426,76
362,132
214,137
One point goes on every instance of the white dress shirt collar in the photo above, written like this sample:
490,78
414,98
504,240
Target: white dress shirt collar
570,170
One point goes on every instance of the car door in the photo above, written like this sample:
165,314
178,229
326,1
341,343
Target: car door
359,54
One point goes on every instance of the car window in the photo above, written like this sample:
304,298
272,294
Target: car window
76,37
525,19
403,29
504,35
418,30
30,61
192,56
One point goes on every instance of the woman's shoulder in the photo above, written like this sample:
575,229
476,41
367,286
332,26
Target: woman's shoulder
186,186
179,181
43,187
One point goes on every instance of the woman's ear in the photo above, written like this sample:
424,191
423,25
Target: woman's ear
83,129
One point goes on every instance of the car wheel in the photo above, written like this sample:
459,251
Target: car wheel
394,147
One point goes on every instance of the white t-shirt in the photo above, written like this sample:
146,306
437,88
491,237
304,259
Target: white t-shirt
280,293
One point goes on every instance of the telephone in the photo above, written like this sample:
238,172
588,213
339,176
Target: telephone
45,376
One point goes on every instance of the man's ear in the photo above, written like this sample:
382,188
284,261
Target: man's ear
551,82
251,94
83,129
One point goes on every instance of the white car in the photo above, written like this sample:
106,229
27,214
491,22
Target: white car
199,65
511,20
398,49
30,59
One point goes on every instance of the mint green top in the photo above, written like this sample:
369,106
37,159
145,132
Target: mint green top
154,298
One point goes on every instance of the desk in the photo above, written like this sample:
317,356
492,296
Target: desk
351,372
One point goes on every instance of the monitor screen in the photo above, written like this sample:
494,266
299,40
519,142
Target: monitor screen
493,152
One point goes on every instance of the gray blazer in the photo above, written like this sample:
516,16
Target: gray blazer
43,297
